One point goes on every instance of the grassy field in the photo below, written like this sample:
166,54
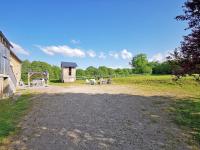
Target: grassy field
162,85
11,112
149,84
187,115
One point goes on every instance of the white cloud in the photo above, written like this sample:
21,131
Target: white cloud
63,50
125,54
75,41
18,49
102,55
114,55
91,53
120,67
160,57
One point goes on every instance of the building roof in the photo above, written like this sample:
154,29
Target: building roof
68,64
14,55
10,45
2,35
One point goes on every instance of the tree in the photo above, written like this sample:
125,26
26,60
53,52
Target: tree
91,71
186,58
119,72
103,71
111,72
56,73
140,64
80,73
125,71
161,68
26,65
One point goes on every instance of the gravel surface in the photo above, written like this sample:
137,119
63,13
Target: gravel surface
77,119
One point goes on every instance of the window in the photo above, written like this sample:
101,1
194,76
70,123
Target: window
70,71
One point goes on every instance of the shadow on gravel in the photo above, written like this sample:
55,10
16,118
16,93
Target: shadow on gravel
99,121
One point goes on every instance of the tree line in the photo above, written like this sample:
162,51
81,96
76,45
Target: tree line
140,65
102,71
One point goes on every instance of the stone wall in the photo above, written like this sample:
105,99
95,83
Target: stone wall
1,87
16,67
66,77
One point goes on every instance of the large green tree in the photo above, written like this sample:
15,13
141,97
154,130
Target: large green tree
141,65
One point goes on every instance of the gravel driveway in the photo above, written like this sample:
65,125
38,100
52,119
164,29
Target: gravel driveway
77,119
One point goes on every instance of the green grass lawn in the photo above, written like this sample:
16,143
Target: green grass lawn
187,114
10,114
185,105
186,87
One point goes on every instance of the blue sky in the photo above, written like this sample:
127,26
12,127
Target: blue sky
92,32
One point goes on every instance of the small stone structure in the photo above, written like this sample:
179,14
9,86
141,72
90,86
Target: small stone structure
68,71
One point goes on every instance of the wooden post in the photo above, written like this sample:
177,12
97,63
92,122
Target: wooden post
47,78
29,79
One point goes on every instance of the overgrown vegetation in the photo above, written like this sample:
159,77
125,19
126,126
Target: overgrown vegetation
10,113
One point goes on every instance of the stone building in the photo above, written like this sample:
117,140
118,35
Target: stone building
15,64
10,68
68,73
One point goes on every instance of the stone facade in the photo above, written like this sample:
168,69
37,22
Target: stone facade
10,68
1,87
68,74
15,63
